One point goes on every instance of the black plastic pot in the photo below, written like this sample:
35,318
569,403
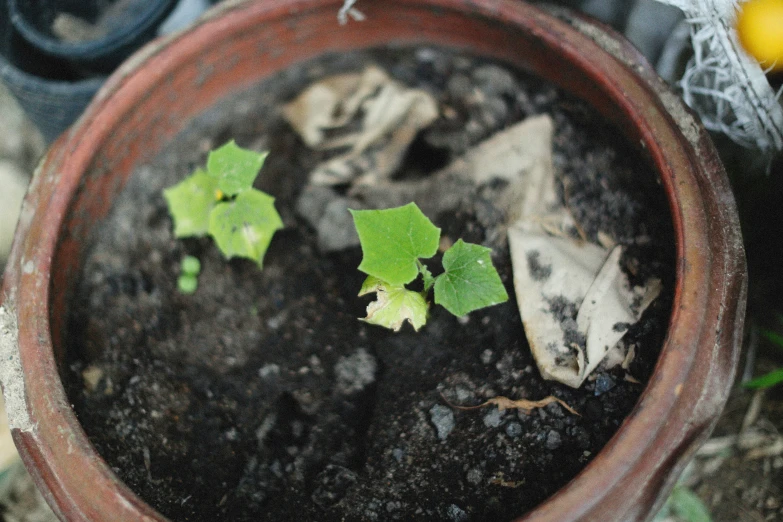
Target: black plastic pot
50,90
133,23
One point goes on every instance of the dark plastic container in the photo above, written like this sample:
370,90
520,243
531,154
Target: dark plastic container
95,34
50,90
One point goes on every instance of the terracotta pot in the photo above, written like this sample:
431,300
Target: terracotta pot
159,90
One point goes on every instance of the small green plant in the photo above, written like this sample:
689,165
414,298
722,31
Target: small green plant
190,267
685,506
394,241
775,376
220,201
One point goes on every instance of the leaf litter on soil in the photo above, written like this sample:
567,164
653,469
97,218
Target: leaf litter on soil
504,403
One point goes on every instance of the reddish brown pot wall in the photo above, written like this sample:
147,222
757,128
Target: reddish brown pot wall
158,91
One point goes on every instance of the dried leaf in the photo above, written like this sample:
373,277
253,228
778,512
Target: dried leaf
499,480
374,117
504,403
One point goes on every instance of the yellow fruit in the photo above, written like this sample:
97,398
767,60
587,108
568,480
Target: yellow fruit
760,31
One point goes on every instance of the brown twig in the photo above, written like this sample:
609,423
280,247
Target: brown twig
504,403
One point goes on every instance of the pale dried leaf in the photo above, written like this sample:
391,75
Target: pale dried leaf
504,403
391,116
574,299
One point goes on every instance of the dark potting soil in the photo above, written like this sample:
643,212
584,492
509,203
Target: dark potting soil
263,396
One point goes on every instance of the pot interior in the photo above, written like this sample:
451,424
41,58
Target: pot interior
142,111
179,83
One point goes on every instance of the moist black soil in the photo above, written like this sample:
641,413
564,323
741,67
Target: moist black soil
263,396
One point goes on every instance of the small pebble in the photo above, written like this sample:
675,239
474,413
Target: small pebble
459,85
463,394
443,419
495,80
355,372
581,437
456,514
514,429
486,356
493,418
278,320
398,454
474,476
603,384
92,376
553,440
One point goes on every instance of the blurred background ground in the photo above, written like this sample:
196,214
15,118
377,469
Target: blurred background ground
21,145
738,474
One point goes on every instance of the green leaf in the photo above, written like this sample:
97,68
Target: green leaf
190,202
190,265
774,337
234,168
469,280
688,506
187,284
394,305
244,227
393,240
765,381
372,284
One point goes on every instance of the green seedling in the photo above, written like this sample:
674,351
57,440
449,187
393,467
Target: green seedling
220,201
774,377
190,267
394,241
685,505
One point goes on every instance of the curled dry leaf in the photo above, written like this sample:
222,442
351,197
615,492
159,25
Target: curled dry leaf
575,300
499,480
504,403
388,116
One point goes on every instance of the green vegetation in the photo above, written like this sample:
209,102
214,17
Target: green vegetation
190,267
221,202
776,376
685,505
394,241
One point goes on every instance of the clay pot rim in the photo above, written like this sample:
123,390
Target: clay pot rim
710,269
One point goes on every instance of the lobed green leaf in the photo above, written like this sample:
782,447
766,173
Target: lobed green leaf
469,281
394,305
393,240
190,202
244,227
234,168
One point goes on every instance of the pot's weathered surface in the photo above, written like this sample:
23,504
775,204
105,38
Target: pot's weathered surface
158,91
